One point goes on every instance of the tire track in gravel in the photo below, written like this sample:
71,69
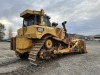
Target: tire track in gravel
9,61
11,64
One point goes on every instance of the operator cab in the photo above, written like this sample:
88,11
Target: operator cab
35,18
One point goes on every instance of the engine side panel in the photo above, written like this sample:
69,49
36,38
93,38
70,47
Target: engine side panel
23,43
37,32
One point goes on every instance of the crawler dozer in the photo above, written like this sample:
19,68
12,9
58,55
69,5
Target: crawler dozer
38,39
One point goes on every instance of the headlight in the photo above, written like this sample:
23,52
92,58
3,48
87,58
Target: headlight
40,29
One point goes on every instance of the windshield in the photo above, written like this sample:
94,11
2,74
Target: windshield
31,20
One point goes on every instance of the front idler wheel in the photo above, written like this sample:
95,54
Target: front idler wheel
48,44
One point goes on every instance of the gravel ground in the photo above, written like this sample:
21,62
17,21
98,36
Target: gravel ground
70,64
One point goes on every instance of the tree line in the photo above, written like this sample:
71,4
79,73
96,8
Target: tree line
2,32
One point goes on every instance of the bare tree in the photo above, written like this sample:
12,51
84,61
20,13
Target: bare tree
10,34
2,29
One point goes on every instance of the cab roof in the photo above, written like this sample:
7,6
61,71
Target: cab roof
28,12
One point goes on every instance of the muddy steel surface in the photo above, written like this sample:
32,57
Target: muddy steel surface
70,64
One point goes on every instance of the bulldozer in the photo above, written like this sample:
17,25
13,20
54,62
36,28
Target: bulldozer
39,39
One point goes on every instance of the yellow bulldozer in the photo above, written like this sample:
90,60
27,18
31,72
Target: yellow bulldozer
38,39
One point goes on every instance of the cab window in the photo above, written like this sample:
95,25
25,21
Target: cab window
46,21
31,20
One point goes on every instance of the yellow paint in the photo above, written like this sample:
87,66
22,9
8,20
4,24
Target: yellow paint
32,32
62,51
23,50
48,44
23,43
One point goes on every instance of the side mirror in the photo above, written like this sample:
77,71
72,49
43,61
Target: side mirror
54,24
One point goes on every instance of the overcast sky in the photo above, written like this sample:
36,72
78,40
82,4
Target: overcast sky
83,16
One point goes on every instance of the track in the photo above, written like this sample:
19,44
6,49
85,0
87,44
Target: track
34,53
